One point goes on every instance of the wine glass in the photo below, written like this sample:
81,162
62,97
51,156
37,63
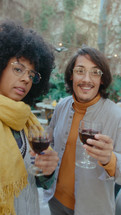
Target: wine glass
39,141
87,129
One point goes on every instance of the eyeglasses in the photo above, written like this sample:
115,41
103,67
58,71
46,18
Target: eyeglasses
19,70
80,71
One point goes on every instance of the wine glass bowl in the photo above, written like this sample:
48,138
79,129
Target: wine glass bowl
39,144
87,130
39,141
85,134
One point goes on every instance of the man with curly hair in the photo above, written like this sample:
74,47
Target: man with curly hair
26,62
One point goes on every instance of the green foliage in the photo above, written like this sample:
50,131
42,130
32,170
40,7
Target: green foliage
68,35
57,89
119,33
115,88
46,12
69,5
27,17
69,32
79,2
41,21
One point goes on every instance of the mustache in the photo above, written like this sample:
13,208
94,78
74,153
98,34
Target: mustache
85,85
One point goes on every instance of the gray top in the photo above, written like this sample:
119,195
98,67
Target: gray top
94,189
27,202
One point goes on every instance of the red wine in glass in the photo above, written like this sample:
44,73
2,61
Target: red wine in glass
39,144
86,134
87,129
39,140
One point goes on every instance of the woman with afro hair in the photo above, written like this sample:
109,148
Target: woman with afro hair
26,62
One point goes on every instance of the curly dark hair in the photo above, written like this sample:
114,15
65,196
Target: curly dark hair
17,41
96,57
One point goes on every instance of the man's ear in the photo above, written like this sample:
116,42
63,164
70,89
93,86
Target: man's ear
71,78
101,82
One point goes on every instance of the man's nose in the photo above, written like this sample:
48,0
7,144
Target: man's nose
86,76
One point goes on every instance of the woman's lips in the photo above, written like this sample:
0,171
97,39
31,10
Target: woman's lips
20,90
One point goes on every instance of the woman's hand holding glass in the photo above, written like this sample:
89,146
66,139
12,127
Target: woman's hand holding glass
45,160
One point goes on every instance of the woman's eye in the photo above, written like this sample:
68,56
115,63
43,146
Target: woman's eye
18,70
31,77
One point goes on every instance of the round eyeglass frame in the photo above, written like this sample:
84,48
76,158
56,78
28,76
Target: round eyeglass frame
35,80
75,69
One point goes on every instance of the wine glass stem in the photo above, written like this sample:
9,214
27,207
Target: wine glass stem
86,156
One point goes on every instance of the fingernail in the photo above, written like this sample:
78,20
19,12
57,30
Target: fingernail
89,141
33,158
97,135
85,146
32,162
42,153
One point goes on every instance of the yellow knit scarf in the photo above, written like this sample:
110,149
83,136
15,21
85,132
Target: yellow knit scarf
13,175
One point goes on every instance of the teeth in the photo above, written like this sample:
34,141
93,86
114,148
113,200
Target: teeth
86,88
21,89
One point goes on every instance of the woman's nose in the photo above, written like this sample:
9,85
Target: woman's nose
25,77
